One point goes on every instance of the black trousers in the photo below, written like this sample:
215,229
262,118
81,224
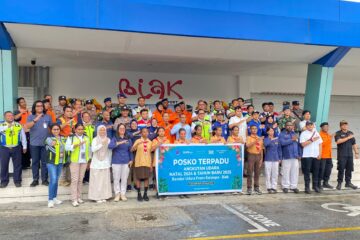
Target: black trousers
15,155
326,167
307,168
345,165
26,157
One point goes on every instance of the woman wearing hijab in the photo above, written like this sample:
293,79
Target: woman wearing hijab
100,182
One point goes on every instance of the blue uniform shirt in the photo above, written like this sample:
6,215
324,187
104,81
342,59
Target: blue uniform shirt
224,127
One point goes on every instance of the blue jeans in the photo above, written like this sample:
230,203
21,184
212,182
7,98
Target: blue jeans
54,174
38,155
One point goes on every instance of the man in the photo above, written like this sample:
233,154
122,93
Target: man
165,103
141,105
181,124
11,135
272,111
255,121
167,126
296,112
91,109
187,113
175,116
241,102
117,111
108,107
254,149
346,145
78,109
67,122
200,106
144,121
311,142
231,111
49,98
217,108
21,115
285,118
291,153
38,123
59,109
205,124
240,121
221,122
326,164
124,119
266,112
107,123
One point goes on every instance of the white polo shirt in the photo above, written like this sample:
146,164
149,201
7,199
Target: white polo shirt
312,150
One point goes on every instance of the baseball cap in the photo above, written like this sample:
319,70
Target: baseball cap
62,97
108,99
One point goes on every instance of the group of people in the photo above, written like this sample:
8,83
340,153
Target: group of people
75,141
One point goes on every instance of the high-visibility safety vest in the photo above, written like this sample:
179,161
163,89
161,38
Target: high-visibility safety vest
10,136
206,128
89,131
75,154
54,152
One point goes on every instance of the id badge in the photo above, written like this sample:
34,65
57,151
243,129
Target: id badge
45,125
61,155
82,155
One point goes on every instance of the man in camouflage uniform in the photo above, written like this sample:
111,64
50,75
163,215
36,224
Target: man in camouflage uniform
116,112
297,114
59,109
90,108
286,117
108,107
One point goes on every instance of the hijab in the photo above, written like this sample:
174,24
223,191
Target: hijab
101,154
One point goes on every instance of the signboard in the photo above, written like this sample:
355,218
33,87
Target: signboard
195,168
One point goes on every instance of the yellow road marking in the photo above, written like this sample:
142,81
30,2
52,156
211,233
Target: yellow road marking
277,234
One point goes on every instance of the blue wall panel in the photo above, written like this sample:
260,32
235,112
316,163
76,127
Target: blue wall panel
322,22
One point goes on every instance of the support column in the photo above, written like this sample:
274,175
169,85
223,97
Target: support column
8,72
318,92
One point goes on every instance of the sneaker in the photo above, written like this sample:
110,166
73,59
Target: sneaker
273,190
99,201
257,191
249,191
145,197
57,202
45,183
51,204
34,183
17,185
350,185
316,189
3,185
338,187
327,185
295,190
285,190
117,197
139,197
104,201
307,190
123,198
186,196
75,204
80,201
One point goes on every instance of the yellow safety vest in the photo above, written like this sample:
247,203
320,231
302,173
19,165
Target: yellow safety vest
11,136
89,130
75,154
54,151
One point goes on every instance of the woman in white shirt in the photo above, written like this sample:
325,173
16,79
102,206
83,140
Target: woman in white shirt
100,181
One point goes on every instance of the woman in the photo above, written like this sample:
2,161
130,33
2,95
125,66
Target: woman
79,147
55,148
197,138
143,163
89,131
100,180
153,129
122,160
273,156
134,132
182,137
217,136
234,137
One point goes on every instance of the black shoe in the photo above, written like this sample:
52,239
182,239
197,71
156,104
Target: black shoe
186,196
129,188
151,186
285,190
145,197
34,183
350,185
17,184
316,189
295,190
273,190
269,191
45,183
327,185
307,190
3,185
338,187
139,197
